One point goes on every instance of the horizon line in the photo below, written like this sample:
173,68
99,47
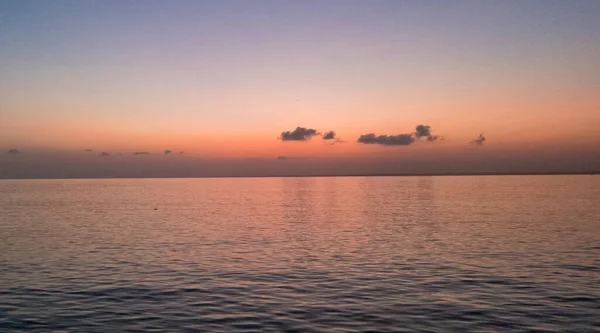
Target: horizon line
481,174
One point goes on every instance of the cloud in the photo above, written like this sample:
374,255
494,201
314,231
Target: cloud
336,141
170,152
405,139
331,139
104,154
141,153
479,140
88,150
13,151
290,157
387,140
299,134
329,135
424,131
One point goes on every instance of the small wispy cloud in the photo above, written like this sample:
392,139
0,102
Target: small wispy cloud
13,151
299,134
170,152
89,150
141,153
104,154
290,158
478,141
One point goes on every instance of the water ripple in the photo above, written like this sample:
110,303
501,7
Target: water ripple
318,255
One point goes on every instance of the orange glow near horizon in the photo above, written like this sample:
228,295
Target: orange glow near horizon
83,84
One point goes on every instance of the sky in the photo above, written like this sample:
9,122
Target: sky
254,87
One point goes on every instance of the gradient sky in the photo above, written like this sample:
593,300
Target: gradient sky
221,80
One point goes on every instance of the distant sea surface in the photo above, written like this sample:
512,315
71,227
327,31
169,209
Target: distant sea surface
348,254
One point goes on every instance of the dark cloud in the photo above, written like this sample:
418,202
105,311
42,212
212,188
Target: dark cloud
424,131
387,140
299,134
290,157
141,153
329,135
104,154
421,131
170,152
479,140
331,138
89,150
13,151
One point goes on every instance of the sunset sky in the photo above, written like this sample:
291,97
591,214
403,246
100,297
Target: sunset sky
221,81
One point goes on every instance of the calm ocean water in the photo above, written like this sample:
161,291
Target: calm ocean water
351,254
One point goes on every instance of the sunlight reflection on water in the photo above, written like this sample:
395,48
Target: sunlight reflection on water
301,254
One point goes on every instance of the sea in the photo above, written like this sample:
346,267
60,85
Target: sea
324,254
